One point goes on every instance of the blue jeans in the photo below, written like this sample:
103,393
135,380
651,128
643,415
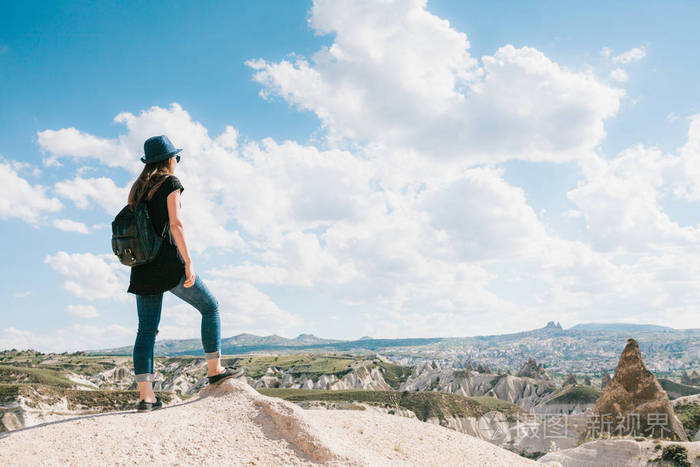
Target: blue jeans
149,307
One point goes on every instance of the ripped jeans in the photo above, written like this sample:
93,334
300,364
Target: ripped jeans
149,308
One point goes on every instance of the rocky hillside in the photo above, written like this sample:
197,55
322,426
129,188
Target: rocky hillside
570,400
676,390
105,383
523,391
39,387
250,428
692,379
688,412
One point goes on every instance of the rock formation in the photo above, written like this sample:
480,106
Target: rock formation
531,369
616,452
570,379
604,379
587,381
693,379
524,392
634,403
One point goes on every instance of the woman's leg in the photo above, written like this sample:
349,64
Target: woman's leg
149,308
201,298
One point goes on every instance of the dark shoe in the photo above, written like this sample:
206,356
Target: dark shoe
149,406
231,372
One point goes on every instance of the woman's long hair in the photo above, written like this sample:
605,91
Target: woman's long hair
151,178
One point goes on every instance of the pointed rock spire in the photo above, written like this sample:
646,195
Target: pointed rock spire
531,369
571,379
634,403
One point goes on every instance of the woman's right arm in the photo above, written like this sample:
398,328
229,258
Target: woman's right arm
178,232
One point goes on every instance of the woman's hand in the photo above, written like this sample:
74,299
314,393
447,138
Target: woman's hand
189,275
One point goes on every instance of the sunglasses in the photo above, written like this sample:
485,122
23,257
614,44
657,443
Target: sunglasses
177,158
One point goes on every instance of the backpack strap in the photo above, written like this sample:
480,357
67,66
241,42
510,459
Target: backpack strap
166,227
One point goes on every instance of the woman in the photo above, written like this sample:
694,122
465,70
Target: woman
171,270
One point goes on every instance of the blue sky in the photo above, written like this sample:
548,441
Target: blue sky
325,257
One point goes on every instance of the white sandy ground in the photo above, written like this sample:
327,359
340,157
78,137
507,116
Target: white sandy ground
233,424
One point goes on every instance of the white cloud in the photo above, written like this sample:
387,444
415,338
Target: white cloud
90,277
102,191
20,199
228,139
643,263
620,201
412,83
19,166
82,311
68,339
243,306
68,225
484,218
69,142
686,177
289,186
629,56
621,197
619,75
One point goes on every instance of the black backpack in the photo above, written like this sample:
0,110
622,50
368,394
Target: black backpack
134,239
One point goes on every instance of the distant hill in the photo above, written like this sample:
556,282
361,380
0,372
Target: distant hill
621,327
551,329
243,343
588,347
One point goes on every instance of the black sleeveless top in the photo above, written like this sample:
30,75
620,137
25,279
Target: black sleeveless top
166,270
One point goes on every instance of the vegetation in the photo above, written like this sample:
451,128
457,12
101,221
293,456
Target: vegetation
676,390
16,374
311,365
689,415
316,365
424,404
91,401
394,375
581,394
677,454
